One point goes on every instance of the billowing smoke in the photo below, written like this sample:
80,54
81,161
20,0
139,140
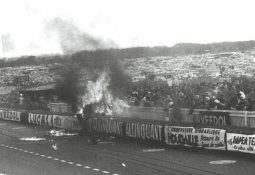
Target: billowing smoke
98,93
72,39
97,77
101,82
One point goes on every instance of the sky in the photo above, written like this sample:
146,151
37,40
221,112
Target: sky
34,27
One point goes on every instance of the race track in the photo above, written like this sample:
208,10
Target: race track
74,155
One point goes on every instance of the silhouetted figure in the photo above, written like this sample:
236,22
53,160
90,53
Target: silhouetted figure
88,114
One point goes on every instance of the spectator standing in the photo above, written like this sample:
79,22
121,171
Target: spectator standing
241,101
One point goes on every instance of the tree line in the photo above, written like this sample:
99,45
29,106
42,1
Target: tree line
134,52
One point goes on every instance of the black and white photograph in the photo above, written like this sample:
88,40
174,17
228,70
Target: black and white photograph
127,87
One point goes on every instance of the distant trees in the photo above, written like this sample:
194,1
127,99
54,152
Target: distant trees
135,52
33,60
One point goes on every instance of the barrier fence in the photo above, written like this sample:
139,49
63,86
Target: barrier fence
207,138
186,115
223,117
58,121
159,131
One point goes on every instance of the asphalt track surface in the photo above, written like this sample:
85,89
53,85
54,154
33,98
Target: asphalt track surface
76,156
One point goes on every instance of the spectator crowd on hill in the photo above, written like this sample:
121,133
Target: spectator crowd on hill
237,94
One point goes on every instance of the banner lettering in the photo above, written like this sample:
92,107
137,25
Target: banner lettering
40,119
241,143
175,135
10,115
144,131
214,118
211,138
107,126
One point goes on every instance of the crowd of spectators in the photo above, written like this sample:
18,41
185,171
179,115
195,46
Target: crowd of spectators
25,76
236,94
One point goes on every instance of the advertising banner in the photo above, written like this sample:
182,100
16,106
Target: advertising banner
144,131
175,135
241,143
10,115
59,121
210,138
71,122
107,126
214,118
40,119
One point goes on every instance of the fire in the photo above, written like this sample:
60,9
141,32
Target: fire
98,93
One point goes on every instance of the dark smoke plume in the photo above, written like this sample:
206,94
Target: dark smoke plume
87,75
72,39
68,84
103,61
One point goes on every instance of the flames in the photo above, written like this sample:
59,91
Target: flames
98,93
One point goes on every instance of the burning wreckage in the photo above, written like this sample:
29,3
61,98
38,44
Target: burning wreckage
98,101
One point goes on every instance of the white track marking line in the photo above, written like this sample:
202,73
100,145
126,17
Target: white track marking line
49,157
105,172
16,128
2,124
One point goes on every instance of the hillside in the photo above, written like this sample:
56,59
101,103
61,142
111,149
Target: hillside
135,52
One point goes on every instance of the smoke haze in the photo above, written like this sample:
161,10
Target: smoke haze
71,38
8,44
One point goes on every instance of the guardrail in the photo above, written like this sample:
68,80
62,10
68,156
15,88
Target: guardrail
237,118
150,113
186,115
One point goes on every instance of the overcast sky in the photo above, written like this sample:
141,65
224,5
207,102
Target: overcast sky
32,27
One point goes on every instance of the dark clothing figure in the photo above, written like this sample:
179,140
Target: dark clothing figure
88,111
221,103
84,119
241,104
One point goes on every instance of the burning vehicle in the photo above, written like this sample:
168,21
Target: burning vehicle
98,101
